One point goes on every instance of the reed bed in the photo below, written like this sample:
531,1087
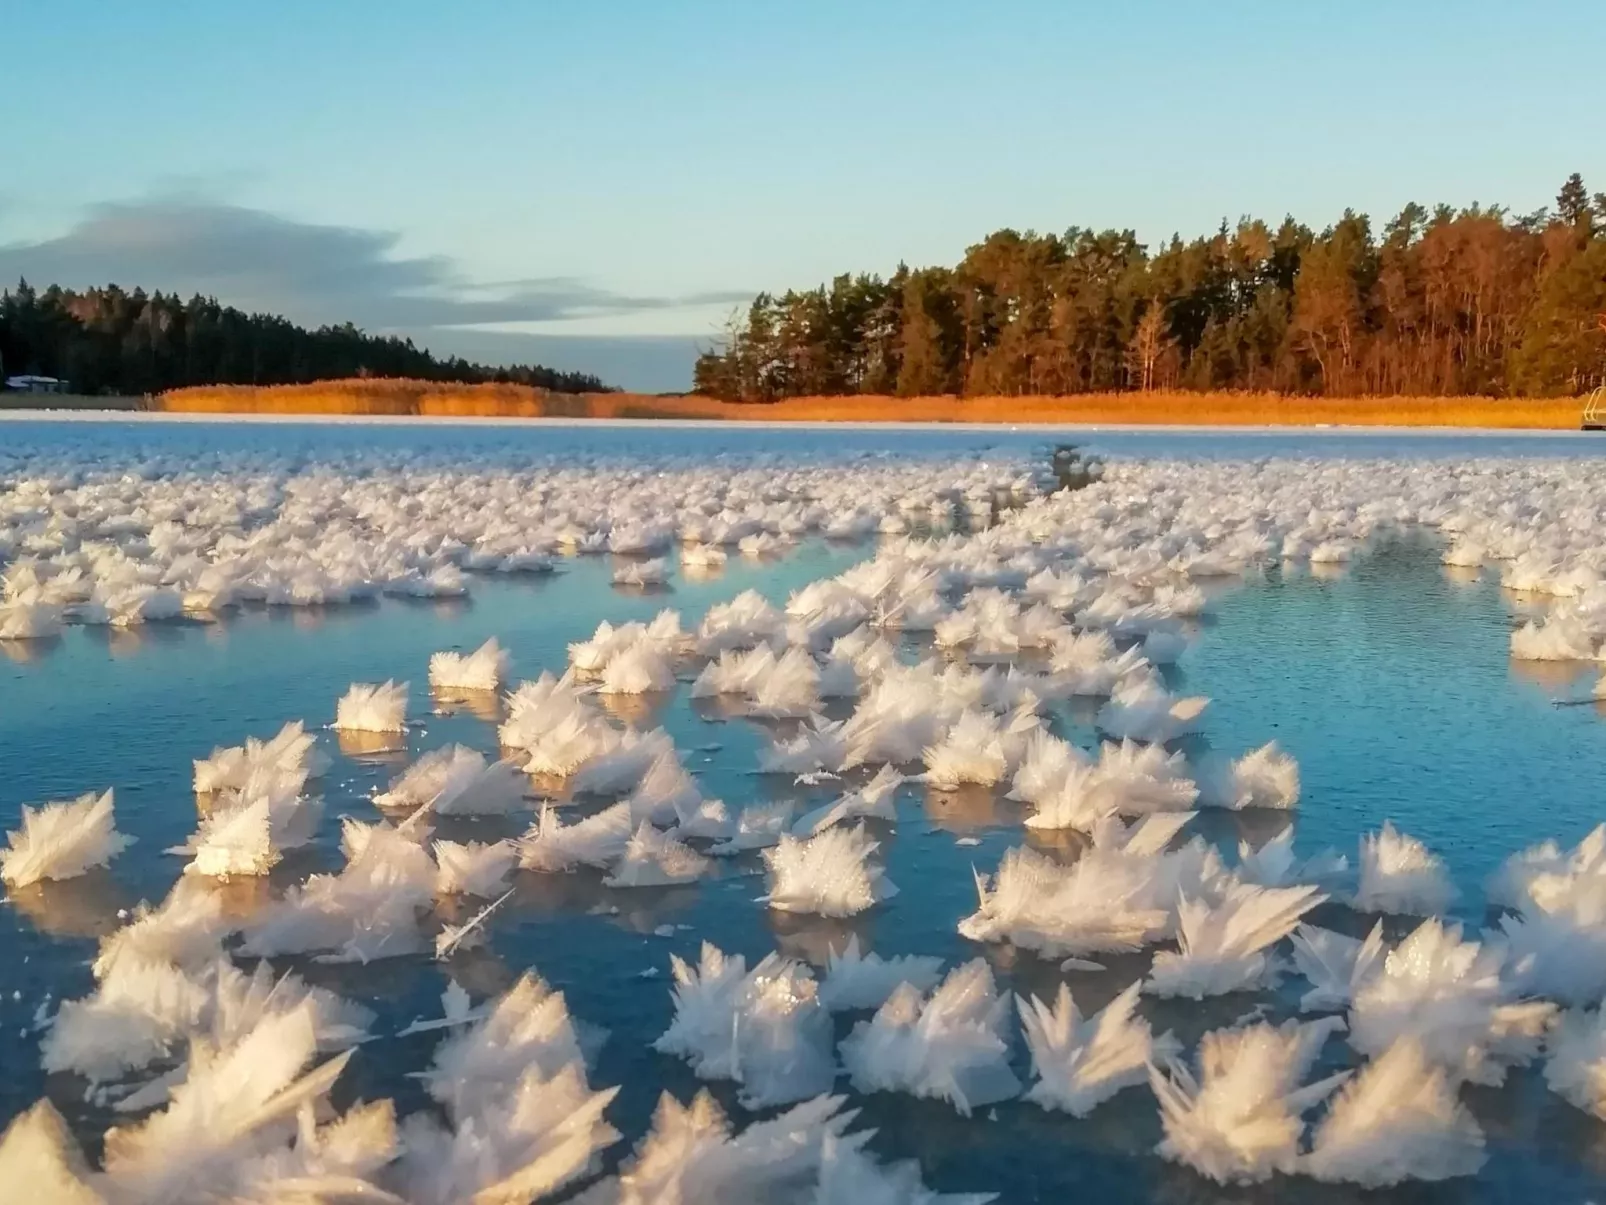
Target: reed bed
429,398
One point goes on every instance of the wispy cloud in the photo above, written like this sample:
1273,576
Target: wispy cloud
309,272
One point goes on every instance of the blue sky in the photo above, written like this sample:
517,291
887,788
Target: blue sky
597,183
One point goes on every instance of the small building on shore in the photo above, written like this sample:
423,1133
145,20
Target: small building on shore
36,384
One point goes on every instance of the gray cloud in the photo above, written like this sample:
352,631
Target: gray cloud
310,273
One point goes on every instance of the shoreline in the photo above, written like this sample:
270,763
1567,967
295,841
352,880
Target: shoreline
222,418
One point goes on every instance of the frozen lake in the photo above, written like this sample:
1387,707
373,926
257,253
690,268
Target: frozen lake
1389,679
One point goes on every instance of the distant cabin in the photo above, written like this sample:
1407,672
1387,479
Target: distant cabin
34,384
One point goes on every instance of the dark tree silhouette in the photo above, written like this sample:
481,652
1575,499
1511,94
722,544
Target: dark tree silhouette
108,341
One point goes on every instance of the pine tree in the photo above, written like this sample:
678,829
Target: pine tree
1572,202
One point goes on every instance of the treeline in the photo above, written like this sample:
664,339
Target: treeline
1447,302
108,341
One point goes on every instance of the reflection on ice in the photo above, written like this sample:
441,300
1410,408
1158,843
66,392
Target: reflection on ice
91,905
386,747
812,938
483,705
970,808
24,652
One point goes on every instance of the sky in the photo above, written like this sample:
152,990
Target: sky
597,185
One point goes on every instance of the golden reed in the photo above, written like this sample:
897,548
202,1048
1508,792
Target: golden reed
433,399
